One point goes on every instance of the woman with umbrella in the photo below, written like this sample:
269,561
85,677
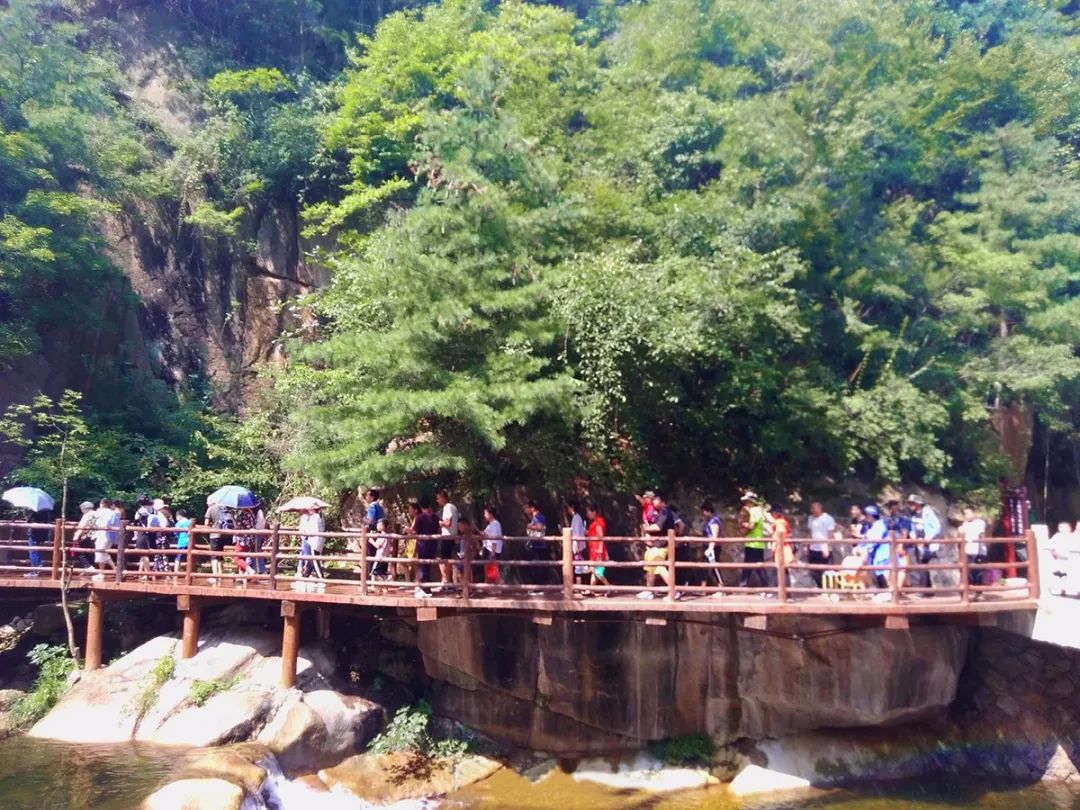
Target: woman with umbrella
224,505
39,505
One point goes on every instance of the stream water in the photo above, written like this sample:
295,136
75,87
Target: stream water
40,775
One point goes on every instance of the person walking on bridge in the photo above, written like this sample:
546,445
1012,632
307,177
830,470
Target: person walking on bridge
595,533
536,548
753,521
712,531
973,531
449,542
822,526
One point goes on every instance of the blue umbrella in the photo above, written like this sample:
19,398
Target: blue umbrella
235,498
30,498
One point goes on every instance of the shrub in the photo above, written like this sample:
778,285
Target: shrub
408,733
202,691
694,749
54,666
151,685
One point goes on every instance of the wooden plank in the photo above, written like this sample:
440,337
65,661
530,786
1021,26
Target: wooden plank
427,614
756,622
897,623
544,619
655,621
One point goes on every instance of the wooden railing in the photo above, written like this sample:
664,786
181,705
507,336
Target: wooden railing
272,559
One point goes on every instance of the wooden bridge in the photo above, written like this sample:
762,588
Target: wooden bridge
265,565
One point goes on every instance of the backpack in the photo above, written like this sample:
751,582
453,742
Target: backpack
225,519
680,526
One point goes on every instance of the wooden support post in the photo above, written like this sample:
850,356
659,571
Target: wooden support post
467,562
567,564
363,562
323,623
757,622
780,555
57,547
189,562
275,544
1034,587
427,614
192,610
95,631
671,564
121,551
897,623
290,643
965,594
894,572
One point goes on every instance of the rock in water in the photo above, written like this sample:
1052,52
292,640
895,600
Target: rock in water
755,779
196,794
388,778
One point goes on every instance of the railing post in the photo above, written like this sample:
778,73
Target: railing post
780,557
466,571
189,558
671,564
121,549
57,546
567,564
894,570
1034,586
965,594
364,561
275,541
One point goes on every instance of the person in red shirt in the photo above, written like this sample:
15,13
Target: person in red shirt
597,547
648,508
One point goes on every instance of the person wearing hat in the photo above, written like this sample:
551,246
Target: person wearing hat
142,537
926,526
160,518
84,535
648,509
753,520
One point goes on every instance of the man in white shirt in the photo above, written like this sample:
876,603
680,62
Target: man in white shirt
448,528
107,521
973,530
822,526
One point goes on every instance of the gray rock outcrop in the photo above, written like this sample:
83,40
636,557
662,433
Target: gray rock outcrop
227,693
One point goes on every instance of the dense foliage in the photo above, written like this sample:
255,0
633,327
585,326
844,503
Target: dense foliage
696,242
710,242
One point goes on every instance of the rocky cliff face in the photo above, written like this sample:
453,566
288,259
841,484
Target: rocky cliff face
586,686
212,308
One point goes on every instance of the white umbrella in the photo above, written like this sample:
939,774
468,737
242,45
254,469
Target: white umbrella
302,503
30,498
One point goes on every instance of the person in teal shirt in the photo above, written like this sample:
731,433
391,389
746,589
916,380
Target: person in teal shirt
182,522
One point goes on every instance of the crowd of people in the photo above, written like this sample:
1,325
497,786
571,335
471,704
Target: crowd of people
873,542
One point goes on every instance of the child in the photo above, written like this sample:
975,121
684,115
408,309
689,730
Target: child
182,522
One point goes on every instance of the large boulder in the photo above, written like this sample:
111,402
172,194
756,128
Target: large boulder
579,687
319,728
389,778
227,693
196,794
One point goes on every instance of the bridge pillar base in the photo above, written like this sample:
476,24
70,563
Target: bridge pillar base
95,632
192,611
290,643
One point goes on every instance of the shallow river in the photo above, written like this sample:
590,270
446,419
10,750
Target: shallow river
37,775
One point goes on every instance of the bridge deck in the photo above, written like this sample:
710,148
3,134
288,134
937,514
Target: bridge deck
519,600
